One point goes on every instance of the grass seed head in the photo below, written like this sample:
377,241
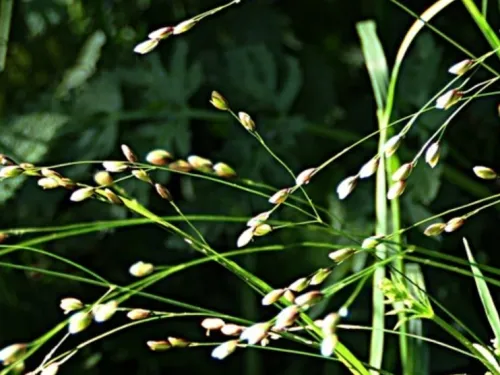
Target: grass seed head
12,353
159,157
51,369
403,172
158,345
114,166
485,173
141,269
112,197
70,304
396,190
280,196
309,298
392,145
184,26
138,314
224,170
245,237
320,276
146,46
79,321
448,99
432,154
11,171
272,297
255,333
231,329
103,312
247,122
163,192
129,154
103,178
286,317
369,168
328,345
434,229
181,166
454,224
48,183
346,186
82,194
305,176
225,349
342,254
161,33
142,175
299,285
461,67
219,102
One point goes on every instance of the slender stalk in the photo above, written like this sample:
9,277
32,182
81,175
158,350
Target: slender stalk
382,228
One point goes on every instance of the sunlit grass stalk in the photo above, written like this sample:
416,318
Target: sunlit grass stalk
378,72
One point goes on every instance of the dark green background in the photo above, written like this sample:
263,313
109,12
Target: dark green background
297,68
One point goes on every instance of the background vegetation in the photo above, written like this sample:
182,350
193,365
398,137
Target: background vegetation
74,90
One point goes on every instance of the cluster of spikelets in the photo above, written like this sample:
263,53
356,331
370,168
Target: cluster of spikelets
257,334
104,191
81,319
285,321
432,150
155,37
455,223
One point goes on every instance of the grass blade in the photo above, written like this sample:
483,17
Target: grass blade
484,293
379,72
375,61
418,361
483,24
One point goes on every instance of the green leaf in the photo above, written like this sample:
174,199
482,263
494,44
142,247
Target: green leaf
254,72
102,95
85,65
291,86
483,25
484,293
375,61
379,75
425,183
27,139
420,73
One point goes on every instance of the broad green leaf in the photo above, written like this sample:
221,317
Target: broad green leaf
291,86
425,183
418,80
184,77
27,139
101,95
85,65
484,293
255,73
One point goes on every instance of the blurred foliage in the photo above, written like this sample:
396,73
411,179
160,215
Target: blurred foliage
74,90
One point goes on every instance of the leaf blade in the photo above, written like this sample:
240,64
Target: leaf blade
484,293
